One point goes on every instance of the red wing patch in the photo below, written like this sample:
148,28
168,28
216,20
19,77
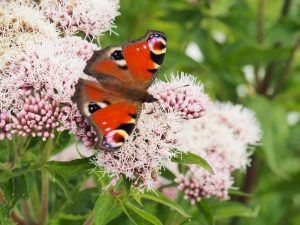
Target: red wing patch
135,62
124,73
112,117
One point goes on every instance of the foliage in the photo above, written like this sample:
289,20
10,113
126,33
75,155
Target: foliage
234,37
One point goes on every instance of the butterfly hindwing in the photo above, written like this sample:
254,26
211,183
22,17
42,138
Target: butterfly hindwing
123,74
135,63
112,117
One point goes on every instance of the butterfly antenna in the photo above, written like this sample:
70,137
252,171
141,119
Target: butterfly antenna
186,85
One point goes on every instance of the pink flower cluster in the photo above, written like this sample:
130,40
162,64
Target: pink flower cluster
199,183
146,151
40,117
92,17
5,125
150,146
51,69
181,94
220,138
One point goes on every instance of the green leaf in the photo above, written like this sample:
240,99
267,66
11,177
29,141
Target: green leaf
143,214
104,205
190,158
205,208
160,198
61,141
113,214
63,184
239,193
166,173
5,175
272,116
233,209
69,168
4,153
14,190
134,217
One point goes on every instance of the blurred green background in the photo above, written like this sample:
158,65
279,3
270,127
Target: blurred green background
247,52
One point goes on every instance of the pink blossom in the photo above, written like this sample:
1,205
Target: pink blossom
181,94
52,69
5,125
240,120
40,117
92,17
220,138
199,183
21,24
146,151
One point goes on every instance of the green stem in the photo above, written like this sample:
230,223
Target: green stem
27,212
35,199
89,220
14,158
45,183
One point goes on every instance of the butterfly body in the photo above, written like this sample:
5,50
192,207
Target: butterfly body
123,74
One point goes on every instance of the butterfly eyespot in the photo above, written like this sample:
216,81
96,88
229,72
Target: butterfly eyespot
115,139
117,55
93,107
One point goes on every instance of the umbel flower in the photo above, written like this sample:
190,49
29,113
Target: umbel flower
181,94
217,137
146,151
40,116
21,24
52,69
155,135
5,125
92,17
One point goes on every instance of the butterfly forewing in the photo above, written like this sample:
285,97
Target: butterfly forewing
123,74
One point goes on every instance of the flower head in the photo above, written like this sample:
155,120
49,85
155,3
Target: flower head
5,125
40,116
52,70
240,120
146,151
181,94
52,67
21,24
91,17
219,138
199,183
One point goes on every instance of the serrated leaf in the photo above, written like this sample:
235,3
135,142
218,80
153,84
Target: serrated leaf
143,214
69,168
160,198
191,158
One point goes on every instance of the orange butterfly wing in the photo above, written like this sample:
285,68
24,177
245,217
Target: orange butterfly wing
123,73
112,116
134,63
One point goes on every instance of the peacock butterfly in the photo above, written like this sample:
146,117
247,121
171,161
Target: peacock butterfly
123,73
